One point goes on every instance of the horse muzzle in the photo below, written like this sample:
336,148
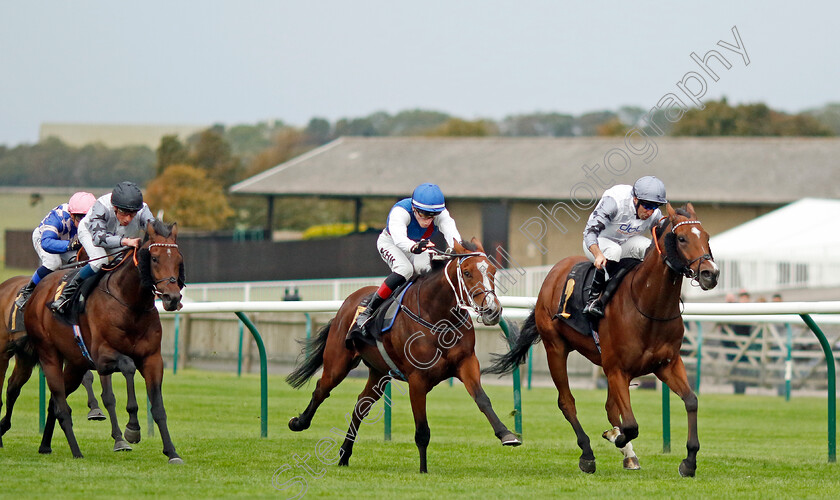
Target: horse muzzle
708,276
491,314
170,301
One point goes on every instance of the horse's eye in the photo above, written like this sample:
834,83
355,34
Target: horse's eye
467,274
681,239
155,260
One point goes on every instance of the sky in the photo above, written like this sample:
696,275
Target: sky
196,62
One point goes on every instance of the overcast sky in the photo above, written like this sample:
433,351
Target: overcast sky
245,61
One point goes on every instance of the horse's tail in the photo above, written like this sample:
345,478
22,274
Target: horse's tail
519,346
312,355
24,349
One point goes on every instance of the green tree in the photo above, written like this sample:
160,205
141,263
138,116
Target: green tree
318,131
188,196
415,122
213,154
588,123
456,127
538,125
720,119
170,152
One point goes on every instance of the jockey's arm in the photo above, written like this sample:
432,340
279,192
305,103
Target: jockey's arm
51,240
447,226
398,221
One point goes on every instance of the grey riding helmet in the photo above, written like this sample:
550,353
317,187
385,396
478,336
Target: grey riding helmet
127,196
649,188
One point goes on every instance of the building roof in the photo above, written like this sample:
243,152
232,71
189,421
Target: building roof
763,171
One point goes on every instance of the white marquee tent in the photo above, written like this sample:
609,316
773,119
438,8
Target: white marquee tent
796,246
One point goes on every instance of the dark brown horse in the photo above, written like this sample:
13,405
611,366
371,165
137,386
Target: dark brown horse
26,361
120,325
641,333
431,340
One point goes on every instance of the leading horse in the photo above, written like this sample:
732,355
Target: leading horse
641,333
120,325
432,339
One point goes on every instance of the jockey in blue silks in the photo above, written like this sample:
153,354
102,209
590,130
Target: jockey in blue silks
405,239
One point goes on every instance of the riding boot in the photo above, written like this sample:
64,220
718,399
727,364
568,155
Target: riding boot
369,311
594,306
59,305
24,294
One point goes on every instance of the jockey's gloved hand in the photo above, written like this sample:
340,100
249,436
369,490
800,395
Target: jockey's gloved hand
74,244
421,246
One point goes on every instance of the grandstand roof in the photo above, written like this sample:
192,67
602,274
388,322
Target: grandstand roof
725,170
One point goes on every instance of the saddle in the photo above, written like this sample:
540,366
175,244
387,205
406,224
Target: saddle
576,293
78,300
15,320
382,321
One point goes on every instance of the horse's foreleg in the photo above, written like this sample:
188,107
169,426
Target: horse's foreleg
367,398
110,402
95,412
4,365
619,395
20,374
417,390
152,371
132,429
337,364
674,376
469,373
631,461
557,354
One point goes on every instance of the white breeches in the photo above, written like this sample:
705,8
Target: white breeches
51,261
635,247
406,265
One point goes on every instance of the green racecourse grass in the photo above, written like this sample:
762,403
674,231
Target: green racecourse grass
751,447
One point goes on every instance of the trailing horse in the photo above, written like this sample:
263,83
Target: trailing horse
641,333
431,340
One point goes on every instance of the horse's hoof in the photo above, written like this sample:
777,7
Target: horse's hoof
510,439
611,434
132,435
632,463
587,466
686,470
295,425
176,461
121,445
343,463
95,414
44,451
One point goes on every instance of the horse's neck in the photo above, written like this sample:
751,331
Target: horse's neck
655,286
126,281
435,296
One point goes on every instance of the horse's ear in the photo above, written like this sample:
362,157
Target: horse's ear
672,214
174,232
150,229
690,209
459,248
477,244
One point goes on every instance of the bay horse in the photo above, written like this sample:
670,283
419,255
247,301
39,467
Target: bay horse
119,325
26,361
431,340
641,333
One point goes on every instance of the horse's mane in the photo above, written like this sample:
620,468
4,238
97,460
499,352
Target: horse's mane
437,265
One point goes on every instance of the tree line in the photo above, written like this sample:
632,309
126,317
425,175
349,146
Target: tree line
188,179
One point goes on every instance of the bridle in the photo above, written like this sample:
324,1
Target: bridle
170,279
464,299
676,266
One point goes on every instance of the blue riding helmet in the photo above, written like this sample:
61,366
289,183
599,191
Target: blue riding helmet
428,198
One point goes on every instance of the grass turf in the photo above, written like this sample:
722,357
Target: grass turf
751,447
